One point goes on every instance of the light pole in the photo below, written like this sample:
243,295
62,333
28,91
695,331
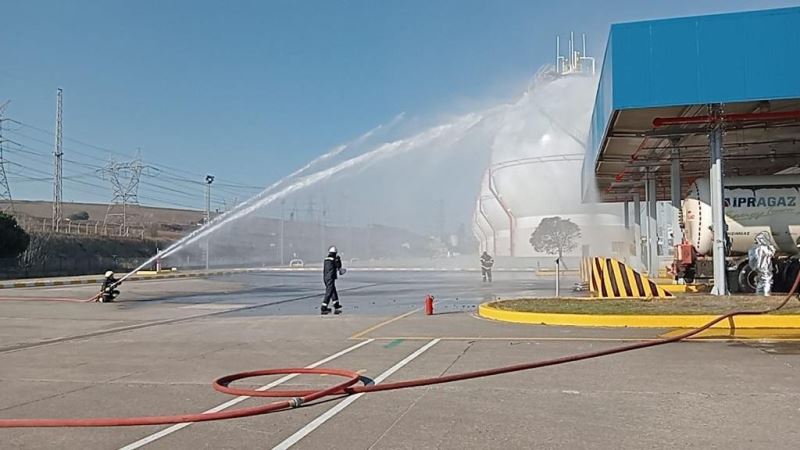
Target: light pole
558,275
209,180
283,228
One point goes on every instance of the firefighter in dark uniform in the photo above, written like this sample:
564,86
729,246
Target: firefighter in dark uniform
331,269
108,291
486,266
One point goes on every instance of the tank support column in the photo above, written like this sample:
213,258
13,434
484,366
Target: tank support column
717,206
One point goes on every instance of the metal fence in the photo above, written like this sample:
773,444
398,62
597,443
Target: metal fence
59,265
80,227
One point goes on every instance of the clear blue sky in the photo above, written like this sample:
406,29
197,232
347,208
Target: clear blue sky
249,90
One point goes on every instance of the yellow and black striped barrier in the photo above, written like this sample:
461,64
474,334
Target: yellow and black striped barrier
609,278
586,269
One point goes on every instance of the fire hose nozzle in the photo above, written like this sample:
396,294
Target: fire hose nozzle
296,402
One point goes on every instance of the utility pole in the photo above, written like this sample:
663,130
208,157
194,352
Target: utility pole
58,169
283,228
209,180
5,191
311,211
440,221
295,216
323,215
348,223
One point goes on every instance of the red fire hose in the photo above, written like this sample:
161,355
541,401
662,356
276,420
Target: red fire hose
347,387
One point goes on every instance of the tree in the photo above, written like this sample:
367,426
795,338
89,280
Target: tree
13,239
555,236
34,256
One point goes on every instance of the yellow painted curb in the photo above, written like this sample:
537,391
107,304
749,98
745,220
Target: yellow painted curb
487,311
684,288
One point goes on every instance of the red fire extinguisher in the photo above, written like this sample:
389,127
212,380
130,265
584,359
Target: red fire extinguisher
429,305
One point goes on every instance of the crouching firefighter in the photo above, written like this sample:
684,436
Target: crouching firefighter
108,291
331,269
486,266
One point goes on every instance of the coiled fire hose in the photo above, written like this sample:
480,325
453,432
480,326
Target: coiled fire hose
347,387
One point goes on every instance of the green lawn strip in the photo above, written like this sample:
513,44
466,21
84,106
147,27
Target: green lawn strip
694,304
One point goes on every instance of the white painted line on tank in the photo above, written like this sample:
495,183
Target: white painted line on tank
177,427
316,423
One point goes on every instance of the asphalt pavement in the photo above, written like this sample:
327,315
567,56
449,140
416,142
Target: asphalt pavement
157,350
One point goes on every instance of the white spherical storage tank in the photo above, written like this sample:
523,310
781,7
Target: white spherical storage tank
535,172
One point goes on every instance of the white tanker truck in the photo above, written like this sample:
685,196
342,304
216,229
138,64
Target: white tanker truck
752,204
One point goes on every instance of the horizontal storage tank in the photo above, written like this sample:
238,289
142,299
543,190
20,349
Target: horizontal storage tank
752,205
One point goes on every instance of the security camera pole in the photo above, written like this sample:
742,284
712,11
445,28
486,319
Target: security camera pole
209,180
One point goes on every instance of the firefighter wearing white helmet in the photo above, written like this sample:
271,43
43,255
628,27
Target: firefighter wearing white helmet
331,269
108,291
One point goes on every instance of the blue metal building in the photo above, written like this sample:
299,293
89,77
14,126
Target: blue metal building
674,93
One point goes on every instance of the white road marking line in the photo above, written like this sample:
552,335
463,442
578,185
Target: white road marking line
316,423
214,306
167,431
384,323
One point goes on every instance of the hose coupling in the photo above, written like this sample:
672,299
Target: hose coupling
296,402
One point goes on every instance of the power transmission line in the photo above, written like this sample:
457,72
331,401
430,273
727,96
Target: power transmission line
188,175
188,192
49,178
166,179
78,181
39,157
29,151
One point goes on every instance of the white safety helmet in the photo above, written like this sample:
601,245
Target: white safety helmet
109,274
333,249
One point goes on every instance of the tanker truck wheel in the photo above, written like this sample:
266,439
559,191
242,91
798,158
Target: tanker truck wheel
785,275
747,279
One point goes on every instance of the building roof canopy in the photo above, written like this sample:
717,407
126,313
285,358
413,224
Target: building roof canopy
746,62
